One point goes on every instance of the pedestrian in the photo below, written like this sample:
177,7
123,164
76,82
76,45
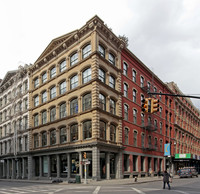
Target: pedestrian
166,177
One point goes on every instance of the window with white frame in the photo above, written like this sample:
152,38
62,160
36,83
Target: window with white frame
74,59
44,97
111,58
126,134
63,66
44,117
62,110
63,135
74,82
102,51
102,75
102,130
125,69
36,82
63,87
102,101
87,102
112,133
112,82
134,95
87,129
141,81
36,120
44,77
87,75
53,72
134,75
86,51
126,112
125,90
112,106
74,106
135,138
53,92
53,114
134,116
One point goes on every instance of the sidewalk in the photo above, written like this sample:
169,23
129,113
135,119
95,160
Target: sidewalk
92,182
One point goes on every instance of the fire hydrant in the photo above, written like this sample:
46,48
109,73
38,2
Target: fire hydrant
135,179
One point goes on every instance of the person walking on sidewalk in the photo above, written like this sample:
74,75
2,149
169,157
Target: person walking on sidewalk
166,177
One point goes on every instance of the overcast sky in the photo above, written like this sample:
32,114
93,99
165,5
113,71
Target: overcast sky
164,34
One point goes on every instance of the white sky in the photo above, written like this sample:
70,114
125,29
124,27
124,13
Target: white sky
165,35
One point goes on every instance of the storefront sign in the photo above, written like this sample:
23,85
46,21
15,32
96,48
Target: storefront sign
177,156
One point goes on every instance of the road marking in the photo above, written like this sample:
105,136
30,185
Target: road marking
181,192
96,190
138,191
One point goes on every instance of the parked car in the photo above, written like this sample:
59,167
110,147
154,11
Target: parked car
187,172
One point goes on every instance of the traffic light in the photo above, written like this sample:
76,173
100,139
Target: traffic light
146,105
84,155
154,105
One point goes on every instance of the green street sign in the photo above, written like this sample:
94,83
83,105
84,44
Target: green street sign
182,156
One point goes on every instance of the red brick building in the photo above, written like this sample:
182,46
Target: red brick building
144,134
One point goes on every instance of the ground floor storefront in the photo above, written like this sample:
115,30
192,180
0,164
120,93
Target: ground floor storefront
186,160
140,164
102,163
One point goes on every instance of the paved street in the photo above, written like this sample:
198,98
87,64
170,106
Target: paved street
184,186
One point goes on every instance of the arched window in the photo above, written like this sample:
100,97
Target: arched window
63,66
74,132
44,139
36,120
111,58
74,106
134,116
112,106
86,51
125,112
102,130
62,110
134,95
135,138
63,87
125,90
53,114
53,72
74,59
142,140
36,100
63,135
126,134
87,129
112,82
44,96
53,137
44,77
44,117
36,82
53,92
102,75
74,82
87,102
86,75
102,101
36,140
113,133
125,68
102,51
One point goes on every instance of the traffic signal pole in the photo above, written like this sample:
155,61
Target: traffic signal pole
175,95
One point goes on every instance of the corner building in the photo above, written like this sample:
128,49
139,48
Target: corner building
75,95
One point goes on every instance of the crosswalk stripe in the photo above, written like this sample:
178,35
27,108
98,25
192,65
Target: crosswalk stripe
138,191
96,191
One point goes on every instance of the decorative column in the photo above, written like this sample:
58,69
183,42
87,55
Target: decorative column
107,165
23,168
13,176
80,165
31,167
69,165
40,163
139,165
49,166
58,165
95,164
4,169
118,165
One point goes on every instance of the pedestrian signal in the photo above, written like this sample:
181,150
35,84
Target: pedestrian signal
154,105
84,155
